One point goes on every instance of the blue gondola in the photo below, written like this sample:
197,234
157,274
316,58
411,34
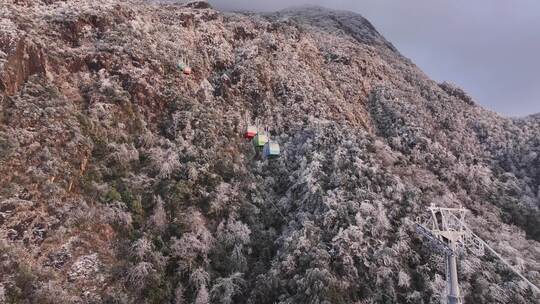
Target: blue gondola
271,147
271,150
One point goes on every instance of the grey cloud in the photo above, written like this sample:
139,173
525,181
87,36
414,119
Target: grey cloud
488,47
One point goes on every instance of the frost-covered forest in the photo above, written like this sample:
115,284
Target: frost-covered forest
123,180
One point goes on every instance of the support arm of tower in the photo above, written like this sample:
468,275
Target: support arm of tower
533,287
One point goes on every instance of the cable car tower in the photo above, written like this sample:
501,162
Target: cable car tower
446,232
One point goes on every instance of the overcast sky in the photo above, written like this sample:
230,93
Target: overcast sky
491,48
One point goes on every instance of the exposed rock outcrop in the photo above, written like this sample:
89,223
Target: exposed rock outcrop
20,62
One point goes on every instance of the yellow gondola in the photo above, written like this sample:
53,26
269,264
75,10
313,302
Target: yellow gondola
261,138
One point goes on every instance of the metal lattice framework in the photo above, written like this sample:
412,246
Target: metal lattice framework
446,233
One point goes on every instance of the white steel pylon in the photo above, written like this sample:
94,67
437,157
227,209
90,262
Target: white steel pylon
447,233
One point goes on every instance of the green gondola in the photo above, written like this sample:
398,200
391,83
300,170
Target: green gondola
260,139
181,66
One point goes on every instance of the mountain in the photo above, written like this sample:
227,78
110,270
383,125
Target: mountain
125,181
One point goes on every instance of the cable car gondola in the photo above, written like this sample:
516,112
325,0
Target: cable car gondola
261,138
251,129
271,150
184,67
271,147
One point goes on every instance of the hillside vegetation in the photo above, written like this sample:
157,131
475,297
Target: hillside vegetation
124,181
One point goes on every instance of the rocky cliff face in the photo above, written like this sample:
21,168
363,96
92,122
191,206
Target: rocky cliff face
125,181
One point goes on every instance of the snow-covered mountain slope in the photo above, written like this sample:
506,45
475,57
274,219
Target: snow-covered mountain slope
125,181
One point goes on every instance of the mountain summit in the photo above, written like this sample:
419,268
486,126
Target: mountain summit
125,177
